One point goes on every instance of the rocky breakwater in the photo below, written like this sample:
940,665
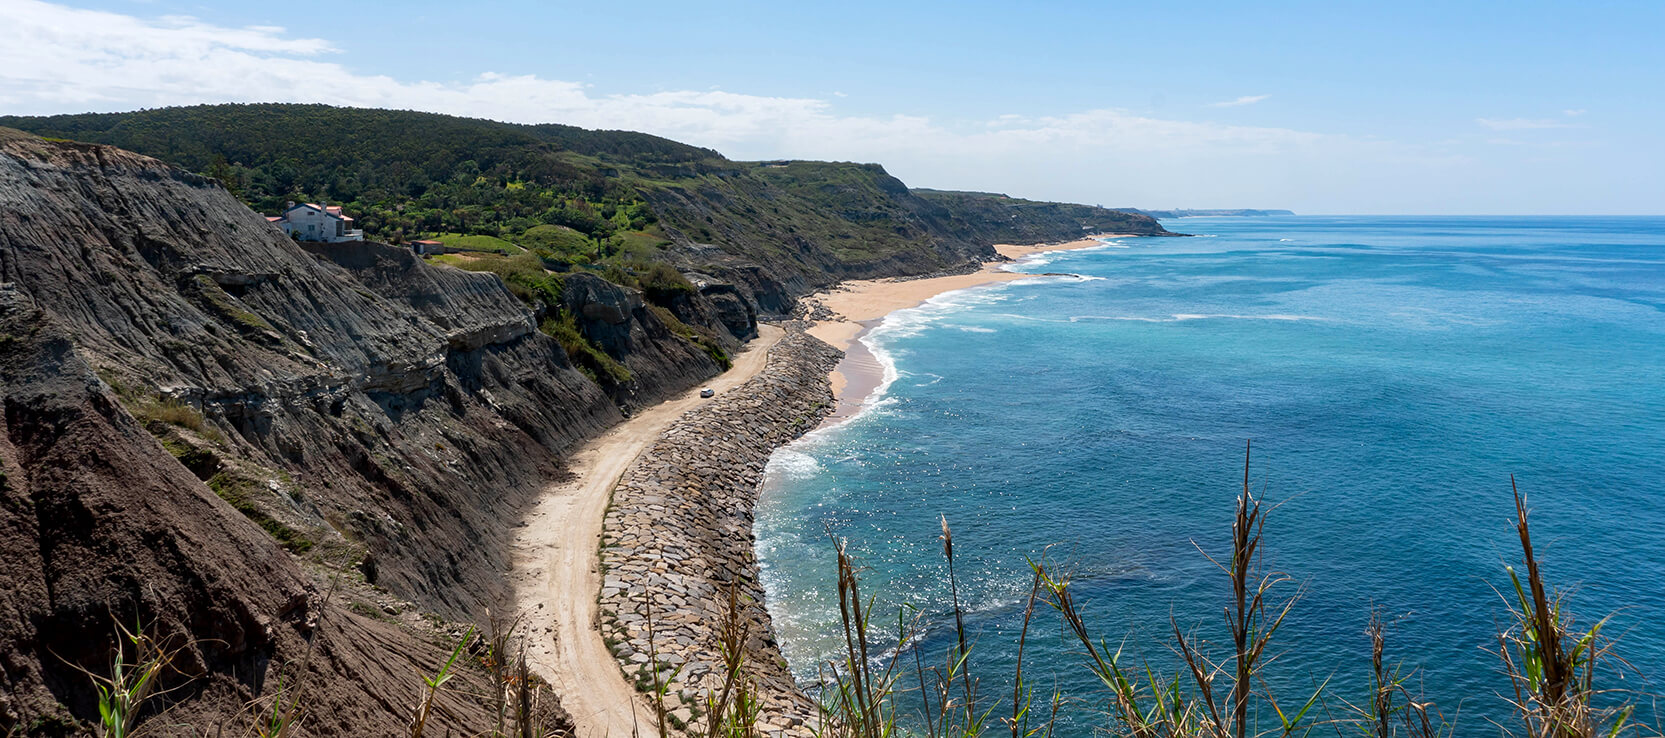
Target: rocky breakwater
679,533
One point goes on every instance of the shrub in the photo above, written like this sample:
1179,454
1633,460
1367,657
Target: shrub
588,357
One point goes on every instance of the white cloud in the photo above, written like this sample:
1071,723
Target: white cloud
62,59
1574,112
1522,124
57,59
1244,100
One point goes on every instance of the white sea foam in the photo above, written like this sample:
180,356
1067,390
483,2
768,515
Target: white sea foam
1043,258
1180,317
1047,278
789,464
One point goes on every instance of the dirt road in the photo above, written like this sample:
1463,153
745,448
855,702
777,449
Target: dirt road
556,577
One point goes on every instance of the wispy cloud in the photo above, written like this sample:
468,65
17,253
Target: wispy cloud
58,59
1574,112
1523,124
1244,100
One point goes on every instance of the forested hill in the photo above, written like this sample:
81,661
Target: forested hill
610,201
1005,219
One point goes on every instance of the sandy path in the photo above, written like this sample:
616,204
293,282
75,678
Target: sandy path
555,574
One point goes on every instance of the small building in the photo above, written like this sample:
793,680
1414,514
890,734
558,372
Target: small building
427,248
317,222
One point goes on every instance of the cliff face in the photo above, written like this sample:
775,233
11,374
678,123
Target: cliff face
411,421
100,526
618,321
763,232
994,218
188,393
474,311
780,229
198,377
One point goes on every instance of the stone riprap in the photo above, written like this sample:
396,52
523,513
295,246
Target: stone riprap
679,531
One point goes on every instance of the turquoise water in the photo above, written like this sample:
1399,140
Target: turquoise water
1392,373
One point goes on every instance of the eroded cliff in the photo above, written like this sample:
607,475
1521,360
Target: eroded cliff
204,378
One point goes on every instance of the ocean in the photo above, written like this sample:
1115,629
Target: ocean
1392,373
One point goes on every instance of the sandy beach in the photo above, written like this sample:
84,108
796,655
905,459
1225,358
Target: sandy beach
861,304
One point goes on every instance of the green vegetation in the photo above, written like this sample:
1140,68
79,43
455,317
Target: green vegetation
202,462
662,284
221,302
558,240
138,665
149,410
433,684
240,492
399,173
701,337
596,364
157,414
477,242
577,196
1556,672
1001,219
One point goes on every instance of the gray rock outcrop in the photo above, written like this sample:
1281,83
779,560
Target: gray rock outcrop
679,533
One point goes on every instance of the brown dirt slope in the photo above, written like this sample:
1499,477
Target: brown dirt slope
186,389
99,524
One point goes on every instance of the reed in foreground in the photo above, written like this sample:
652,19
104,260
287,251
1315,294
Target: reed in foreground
884,684
1554,671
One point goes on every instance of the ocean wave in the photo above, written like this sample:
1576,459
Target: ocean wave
1047,257
789,464
972,328
1046,278
1181,317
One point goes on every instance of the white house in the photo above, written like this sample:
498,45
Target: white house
317,222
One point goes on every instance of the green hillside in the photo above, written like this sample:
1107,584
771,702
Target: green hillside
582,197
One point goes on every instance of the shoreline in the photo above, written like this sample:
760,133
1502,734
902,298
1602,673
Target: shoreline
677,535
858,306
604,533
557,576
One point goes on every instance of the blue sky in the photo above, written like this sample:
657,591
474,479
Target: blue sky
1319,107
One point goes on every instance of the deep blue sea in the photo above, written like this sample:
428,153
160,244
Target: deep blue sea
1393,372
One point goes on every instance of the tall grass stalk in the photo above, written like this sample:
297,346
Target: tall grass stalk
1551,664
1394,710
1552,668
139,663
432,686
856,698
734,709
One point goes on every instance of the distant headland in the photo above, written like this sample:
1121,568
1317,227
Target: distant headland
1215,212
